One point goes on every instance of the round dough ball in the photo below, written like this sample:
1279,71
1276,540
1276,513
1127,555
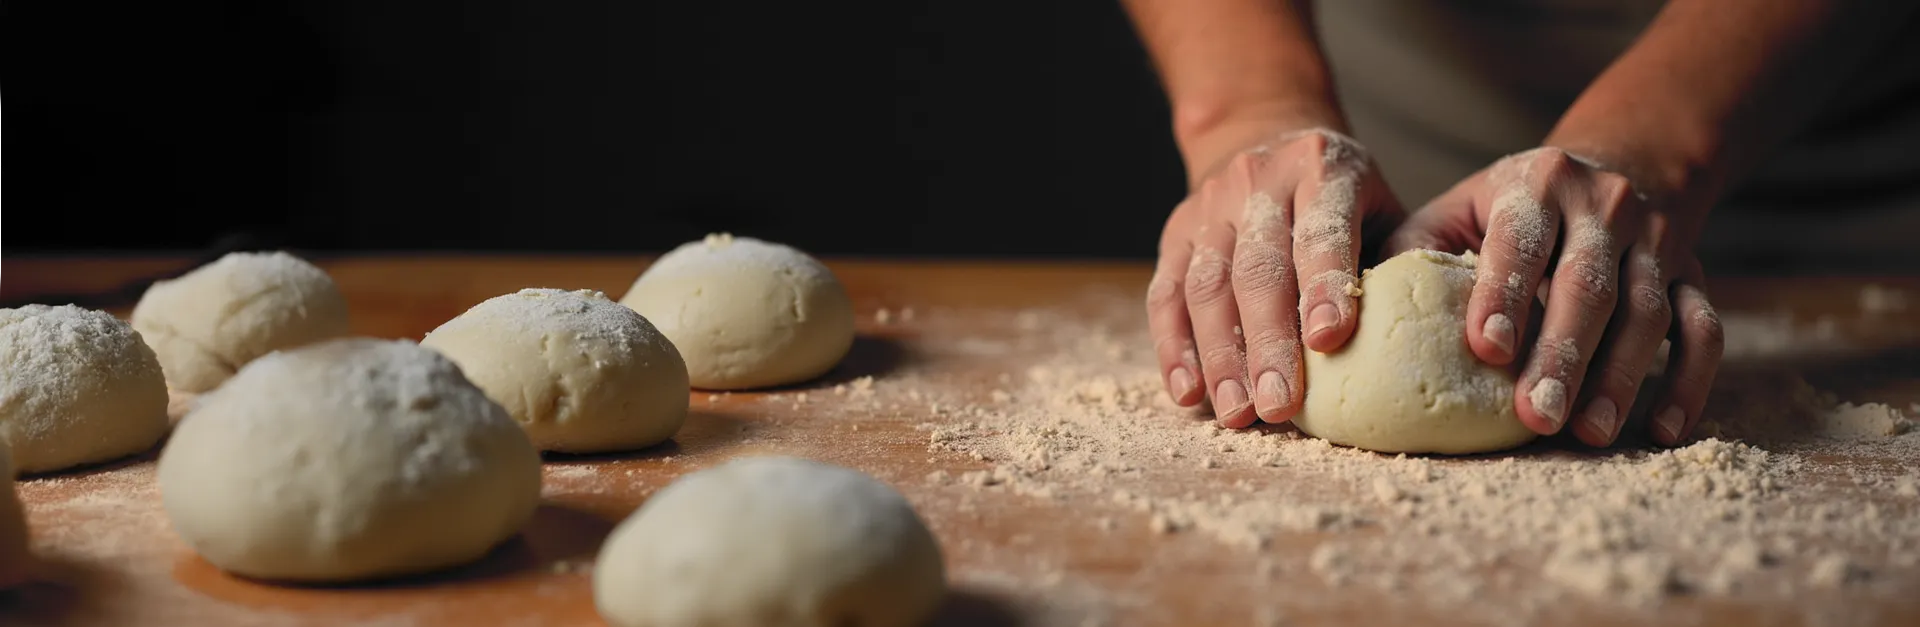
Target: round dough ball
1407,382
746,313
80,387
208,323
13,528
347,460
580,372
771,541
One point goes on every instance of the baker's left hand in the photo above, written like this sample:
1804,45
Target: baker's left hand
1618,272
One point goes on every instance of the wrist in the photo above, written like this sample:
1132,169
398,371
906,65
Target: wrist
1675,166
1210,134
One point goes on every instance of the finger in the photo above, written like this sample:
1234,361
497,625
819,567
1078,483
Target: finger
1640,322
1216,325
1265,289
1696,349
1521,226
1167,319
1325,241
1585,287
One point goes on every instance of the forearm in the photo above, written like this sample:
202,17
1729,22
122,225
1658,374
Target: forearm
1233,69
1713,85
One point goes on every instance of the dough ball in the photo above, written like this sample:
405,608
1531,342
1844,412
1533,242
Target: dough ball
79,387
13,528
208,323
746,313
580,372
347,460
771,541
1407,382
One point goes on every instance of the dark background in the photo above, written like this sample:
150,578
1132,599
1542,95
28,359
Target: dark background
880,128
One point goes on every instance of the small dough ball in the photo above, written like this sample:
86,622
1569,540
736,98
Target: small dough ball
771,541
746,313
1407,382
347,460
13,528
580,372
79,387
207,324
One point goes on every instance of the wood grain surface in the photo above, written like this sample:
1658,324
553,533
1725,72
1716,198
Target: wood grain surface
108,558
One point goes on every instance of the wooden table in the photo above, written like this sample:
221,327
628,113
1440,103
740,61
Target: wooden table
110,560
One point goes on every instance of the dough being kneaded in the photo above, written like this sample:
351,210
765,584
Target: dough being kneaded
581,373
1407,382
77,386
347,460
746,313
208,323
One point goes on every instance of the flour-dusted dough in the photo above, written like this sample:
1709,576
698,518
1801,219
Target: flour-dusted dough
746,313
208,323
77,386
347,460
13,527
580,372
1407,382
771,541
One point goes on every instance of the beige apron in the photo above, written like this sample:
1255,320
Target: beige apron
1438,89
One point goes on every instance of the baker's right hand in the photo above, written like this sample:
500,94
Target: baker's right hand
1270,238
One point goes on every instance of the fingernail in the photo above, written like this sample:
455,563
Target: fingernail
1549,397
1324,316
1182,382
1603,416
1272,393
1670,422
1229,398
1499,330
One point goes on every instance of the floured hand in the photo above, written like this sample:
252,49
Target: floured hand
1268,240
1619,274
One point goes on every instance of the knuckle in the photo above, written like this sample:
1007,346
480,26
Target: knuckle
1272,344
1519,246
1208,283
1651,303
1164,293
1260,270
1708,336
1225,360
1554,162
1621,379
1588,294
1170,346
1247,166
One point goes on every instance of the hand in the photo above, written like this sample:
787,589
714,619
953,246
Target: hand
1618,274
1236,277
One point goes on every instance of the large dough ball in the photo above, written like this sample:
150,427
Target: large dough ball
771,541
1407,382
13,528
351,459
207,324
77,386
746,313
580,372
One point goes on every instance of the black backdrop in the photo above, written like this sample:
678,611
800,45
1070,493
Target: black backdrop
902,127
